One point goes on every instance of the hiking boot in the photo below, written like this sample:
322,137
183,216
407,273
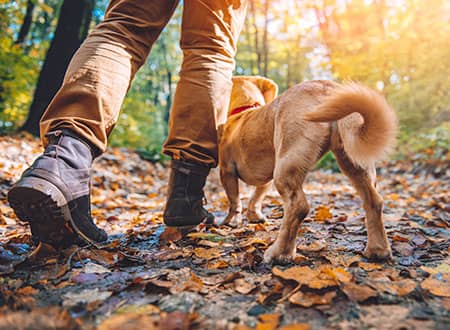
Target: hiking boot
53,194
184,206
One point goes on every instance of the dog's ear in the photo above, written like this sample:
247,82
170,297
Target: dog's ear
268,87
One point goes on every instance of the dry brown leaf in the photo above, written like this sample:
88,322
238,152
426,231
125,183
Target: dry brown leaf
264,241
242,327
369,266
194,284
399,238
268,321
336,273
385,281
172,254
438,284
315,246
300,274
404,287
319,278
446,303
296,326
171,234
243,286
442,268
217,264
323,214
342,260
358,293
310,299
207,254
27,290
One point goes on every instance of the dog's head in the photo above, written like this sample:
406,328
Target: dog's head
251,91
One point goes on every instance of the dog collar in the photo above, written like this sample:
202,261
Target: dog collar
243,108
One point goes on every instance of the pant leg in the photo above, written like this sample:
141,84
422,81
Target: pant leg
101,71
210,30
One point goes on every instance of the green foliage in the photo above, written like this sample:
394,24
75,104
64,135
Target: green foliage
328,162
434,141
18,71
18,74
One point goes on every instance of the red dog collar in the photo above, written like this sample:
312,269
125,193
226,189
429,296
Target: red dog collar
243,108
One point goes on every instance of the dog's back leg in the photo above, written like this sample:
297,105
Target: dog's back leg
254,213
288,179
363,179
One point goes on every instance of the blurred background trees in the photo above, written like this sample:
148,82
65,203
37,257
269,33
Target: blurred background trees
399,47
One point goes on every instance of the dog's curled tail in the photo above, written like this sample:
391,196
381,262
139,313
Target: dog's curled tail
367,124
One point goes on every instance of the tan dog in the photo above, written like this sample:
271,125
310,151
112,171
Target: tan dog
282,139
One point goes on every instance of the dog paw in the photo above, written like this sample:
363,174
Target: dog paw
232,220
255,217
275,255
378,253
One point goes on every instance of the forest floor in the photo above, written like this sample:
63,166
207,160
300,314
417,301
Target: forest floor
148,277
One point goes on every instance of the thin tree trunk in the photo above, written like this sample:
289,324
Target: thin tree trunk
71,30
26,25
169,86
265,43
256,40
249,41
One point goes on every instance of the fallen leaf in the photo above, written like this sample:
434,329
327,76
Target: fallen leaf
268,321
315,246
207,254
443,268
84,296
28,290
382,281
296,326
438,284
173,254
171,234
319,278
193,284
300,274
369,266
93,268
217,264
310,299
243,286
206,236
358,293
446,303
323,214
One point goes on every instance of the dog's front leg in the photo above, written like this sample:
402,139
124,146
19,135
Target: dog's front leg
230,182
254,213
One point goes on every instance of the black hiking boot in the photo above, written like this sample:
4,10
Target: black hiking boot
184,206
53,194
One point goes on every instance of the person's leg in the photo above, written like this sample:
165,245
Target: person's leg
210,30
101,71
53,195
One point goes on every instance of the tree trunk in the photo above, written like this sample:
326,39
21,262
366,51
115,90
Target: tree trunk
27,20
256,40
72,28
265,43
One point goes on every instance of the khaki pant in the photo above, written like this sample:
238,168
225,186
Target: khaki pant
101,71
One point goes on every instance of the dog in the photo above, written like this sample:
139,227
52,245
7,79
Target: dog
281,138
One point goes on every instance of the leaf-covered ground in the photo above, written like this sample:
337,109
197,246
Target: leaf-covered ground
148,277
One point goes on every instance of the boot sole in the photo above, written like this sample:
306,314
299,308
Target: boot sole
44,207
